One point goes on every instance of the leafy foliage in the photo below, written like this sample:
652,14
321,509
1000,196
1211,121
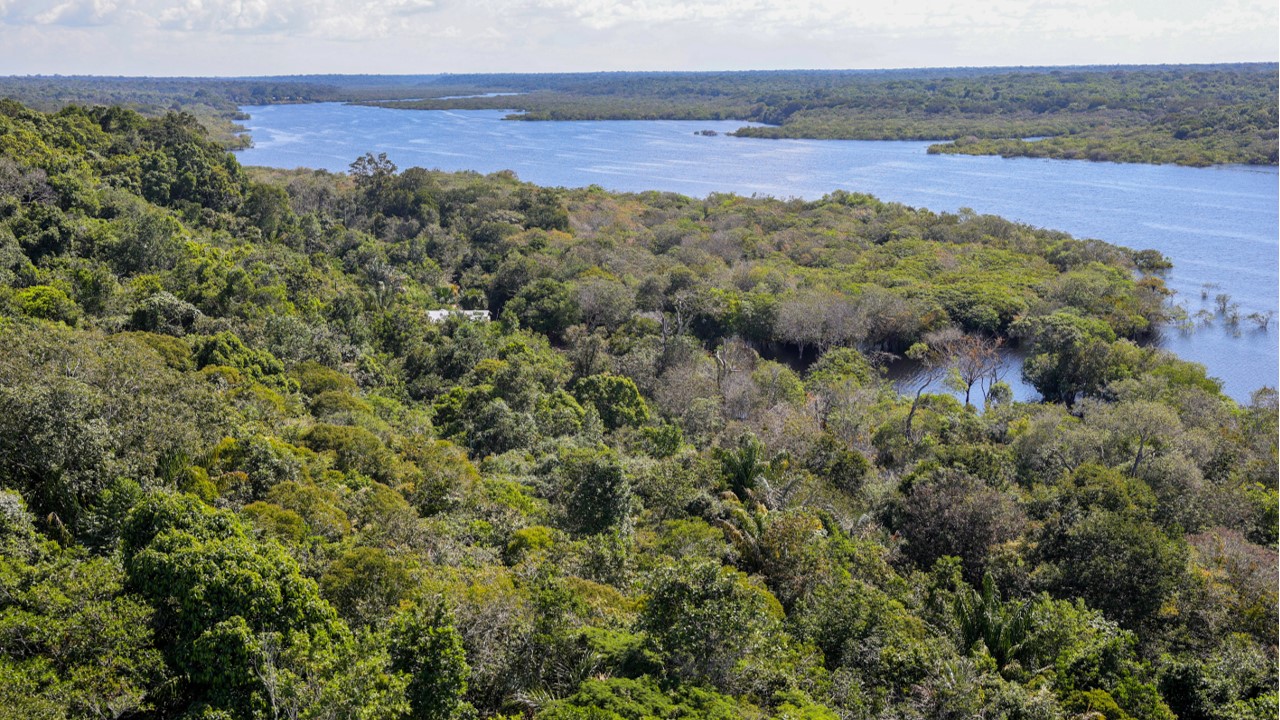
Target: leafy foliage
244,473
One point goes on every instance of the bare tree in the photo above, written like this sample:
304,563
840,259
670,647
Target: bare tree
604,302
821,320
29,185
587,350
933,365
887,316
973,357
734,363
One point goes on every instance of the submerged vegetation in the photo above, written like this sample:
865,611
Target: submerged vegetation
244,474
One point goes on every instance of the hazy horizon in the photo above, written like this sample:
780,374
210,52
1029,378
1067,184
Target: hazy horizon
405,75
254,38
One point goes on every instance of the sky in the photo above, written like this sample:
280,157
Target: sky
279,37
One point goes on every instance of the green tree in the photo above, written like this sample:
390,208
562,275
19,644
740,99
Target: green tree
949,512
709,624
426,647
267,207
982,617
743,466
546,306
599,490
354,449
630,699
227,349
229,610
1070,355
164,313
373,173
615,398
842,466
149,240
47,303
79,410
74,643
365,585
1123,566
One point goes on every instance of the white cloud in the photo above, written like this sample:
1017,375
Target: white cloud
779,15
299,36
304,17
307,18
90,12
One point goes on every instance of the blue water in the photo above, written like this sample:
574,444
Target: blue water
1220,225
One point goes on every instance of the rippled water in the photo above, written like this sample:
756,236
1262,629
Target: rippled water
1218,225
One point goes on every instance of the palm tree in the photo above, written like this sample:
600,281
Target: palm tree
982,616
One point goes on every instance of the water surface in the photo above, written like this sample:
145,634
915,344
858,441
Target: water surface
1219,225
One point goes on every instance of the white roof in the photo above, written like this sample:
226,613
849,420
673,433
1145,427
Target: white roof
442,315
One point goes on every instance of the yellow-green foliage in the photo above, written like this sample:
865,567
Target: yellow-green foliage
245,475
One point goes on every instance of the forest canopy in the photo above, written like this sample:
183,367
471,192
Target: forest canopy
245,474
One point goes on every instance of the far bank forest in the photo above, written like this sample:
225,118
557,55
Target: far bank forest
247,470
1184,114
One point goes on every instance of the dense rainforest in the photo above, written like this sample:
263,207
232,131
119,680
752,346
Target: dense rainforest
245,472
1184,114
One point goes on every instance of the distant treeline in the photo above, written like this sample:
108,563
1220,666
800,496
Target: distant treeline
215,102
1189,115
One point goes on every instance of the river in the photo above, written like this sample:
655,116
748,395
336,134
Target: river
1220,226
